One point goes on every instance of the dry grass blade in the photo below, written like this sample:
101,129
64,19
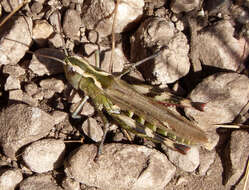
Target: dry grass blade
113,34
13,12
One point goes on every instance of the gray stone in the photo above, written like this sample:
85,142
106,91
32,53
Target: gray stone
92,129
178,6
47,66
188,162
225,94
39,182
95,15
15,41
206,160
217,47
12,83
51,86
72,24
44,155
59,116
41,31
20,125
13,70
120,167
10,178
237,157
173,62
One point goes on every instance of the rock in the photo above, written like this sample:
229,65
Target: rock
92,129
36,7
20,96
31,89
172,63
217,47
12,83
95,15
16,95
72,24
118,58
20,125
39,182
87,109
92,36
70,184
10,178
15,40
237,157
206,160
120,167
225,94
218,7
44,155
51,86
59,116
188,162
179,6
9,6
41,31
13,70
46,66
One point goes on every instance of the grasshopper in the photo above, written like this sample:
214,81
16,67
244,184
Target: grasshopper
135,112
128,106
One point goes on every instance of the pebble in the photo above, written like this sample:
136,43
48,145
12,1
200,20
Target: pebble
59,116
206,160
12,51
225,94
188,162
70,184
179,6
46,66
44,155
39,182
119,167
13,70
95,15
12,83
92,129
51,86
237,157
173,62
228,53
20,125
41,31
31,89
72,24
10,178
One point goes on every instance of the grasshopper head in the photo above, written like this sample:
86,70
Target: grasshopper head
77,68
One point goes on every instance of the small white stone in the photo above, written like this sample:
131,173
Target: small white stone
41,31
9,179
92,129
16,95
188,162
13,70
59,116
44,155
12,83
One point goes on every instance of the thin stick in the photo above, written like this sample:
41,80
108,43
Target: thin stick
113,35
13,12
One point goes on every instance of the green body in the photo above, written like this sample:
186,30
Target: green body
140,114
